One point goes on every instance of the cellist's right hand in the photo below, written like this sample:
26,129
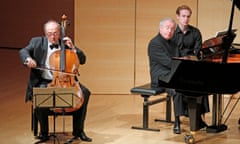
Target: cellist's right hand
31,63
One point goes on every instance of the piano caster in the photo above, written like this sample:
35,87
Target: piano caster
189,139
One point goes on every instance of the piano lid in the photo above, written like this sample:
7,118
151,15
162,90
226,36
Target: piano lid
214,47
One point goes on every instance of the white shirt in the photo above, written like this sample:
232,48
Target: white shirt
47,74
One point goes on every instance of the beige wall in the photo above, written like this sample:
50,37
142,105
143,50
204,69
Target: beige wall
105,30
214,16
115,34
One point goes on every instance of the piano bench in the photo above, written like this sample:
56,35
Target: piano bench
146,91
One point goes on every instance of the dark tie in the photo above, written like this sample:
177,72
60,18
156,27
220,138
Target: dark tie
52,46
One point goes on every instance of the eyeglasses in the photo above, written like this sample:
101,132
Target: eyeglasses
52,33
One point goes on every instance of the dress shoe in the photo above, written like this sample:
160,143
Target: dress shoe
202,124
42,139
176,128
83,137
40,136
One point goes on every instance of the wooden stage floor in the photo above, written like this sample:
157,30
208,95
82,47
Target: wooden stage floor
109,119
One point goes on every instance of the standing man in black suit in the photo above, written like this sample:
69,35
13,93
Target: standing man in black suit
36,54
189,42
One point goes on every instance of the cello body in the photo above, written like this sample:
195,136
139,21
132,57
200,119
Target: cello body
66,79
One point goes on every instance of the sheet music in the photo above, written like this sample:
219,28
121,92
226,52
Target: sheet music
224,32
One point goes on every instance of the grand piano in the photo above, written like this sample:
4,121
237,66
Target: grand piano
215,73
197,78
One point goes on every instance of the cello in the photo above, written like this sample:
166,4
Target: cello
65,64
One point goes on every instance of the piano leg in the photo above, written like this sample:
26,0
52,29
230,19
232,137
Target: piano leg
194,110
217,125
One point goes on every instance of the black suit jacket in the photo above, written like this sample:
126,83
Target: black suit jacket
37,49
160,52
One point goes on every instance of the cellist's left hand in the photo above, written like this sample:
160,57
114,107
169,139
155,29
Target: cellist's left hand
67,41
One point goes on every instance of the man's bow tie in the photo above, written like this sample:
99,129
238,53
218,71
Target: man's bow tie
52,46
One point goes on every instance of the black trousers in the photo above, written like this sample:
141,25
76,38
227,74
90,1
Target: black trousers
181,103
78,115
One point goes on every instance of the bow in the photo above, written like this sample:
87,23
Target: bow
52,46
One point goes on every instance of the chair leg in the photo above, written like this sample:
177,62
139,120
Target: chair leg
34,123
145,116
168,109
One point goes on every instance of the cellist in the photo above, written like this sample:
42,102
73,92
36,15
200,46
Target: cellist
36,54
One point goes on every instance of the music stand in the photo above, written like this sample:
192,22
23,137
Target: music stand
54,98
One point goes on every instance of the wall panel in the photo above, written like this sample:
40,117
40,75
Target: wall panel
105,31
214,16
21,20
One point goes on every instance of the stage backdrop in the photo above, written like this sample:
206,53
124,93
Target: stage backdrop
113,33
21,20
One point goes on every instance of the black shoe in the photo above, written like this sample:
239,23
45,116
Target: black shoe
40,136
42,139
176,128
83,137
202,124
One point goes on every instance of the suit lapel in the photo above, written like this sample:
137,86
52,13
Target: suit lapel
44,50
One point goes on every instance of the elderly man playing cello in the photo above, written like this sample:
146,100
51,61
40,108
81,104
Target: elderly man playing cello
36,54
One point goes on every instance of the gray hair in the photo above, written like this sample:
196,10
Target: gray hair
166,19
51,22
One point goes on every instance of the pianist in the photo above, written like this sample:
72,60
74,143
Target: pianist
161,50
